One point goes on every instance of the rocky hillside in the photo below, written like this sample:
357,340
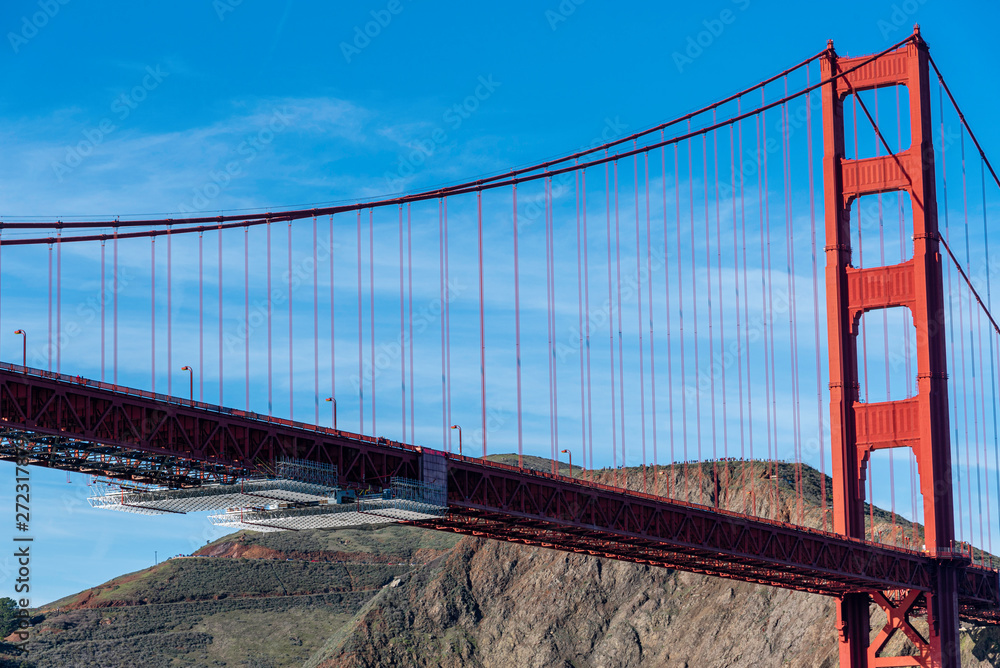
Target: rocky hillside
402,596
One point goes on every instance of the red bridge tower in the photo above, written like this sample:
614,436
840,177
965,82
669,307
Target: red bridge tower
920,422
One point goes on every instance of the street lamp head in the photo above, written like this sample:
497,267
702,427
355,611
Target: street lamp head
186,368
19,331
455,426
329,398
564,451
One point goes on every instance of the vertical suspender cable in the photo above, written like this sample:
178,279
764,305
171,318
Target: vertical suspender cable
402,333
957,472
104,294
792,315
114,330
638,287
221,310
361,336
666,295
201,317
736,293
680,316
764,285
649,304
409,302
981,466
270,347
49,345
371,308
965,402
447,318
815,290
611,326
974,444
746,315
315,315
694,320
246,313
621,356
579,320
586,310
291,336
993,387
333,324
722,326
152,312
170,314
547,182
517,336
58,341
445,440
711,330
552,319
769,337
482,328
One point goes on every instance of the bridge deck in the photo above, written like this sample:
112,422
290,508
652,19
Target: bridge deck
77,424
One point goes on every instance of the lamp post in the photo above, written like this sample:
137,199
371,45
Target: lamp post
190,380
570,461
334,402
455,426
24,347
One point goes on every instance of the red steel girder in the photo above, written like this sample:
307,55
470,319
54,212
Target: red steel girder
53,405
753,548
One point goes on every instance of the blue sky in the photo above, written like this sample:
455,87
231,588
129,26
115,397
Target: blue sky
127,109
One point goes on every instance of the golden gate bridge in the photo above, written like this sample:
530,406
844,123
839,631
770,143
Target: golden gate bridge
677,273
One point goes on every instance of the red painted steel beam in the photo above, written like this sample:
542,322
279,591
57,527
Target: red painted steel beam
65,420
540,508
63,412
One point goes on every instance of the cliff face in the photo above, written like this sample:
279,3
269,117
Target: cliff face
404,596
497,605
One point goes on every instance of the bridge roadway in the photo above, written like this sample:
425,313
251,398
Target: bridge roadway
96,428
